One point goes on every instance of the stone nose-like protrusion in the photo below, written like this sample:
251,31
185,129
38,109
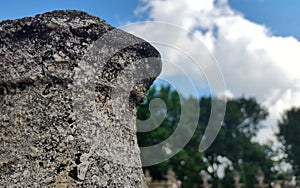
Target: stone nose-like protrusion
69,83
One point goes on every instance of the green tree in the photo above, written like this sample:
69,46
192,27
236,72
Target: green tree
187,163
234,142
289,135
241,123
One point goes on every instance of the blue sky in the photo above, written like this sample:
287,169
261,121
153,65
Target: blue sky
115,12
281,17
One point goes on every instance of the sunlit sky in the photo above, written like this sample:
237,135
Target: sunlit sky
256,42
280,16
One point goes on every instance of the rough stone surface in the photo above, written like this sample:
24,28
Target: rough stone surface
65,121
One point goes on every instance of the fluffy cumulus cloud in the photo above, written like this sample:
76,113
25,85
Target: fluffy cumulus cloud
253,61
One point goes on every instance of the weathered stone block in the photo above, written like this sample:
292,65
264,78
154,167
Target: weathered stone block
69,84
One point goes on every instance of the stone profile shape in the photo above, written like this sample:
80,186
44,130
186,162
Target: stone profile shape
69,84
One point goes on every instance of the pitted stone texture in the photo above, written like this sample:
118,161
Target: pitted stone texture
65,121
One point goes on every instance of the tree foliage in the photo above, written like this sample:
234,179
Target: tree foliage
233,143
289,135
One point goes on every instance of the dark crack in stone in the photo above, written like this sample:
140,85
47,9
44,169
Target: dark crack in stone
69,84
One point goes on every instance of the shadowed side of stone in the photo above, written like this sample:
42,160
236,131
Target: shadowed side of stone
69,84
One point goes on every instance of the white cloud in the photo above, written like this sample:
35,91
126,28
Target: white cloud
253,61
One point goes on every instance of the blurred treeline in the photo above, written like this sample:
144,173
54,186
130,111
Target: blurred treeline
233,150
